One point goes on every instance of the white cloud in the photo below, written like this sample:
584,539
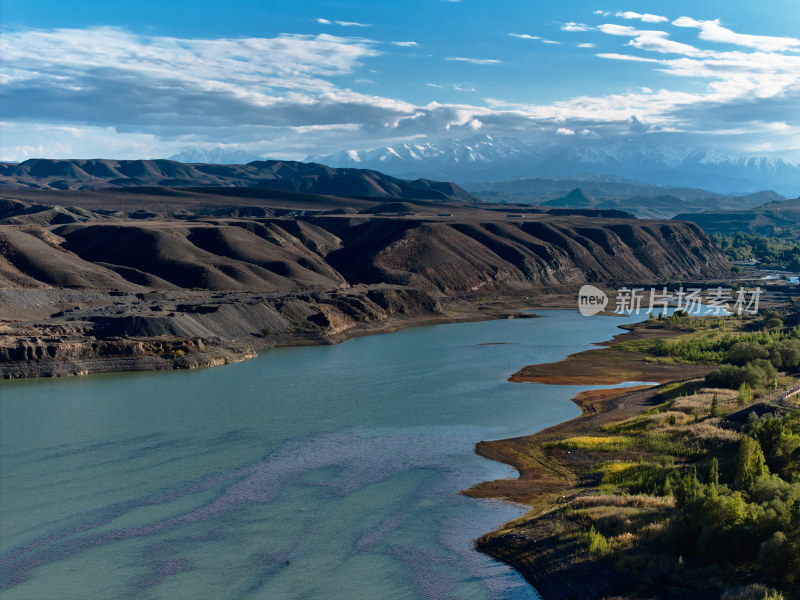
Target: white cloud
343,23
167,86
461,88
629,57
652,40
586,45
130,95
602,13
572,26
646,17
564,131
24,140
614,29
714,32
474,61
525,36
352,24
405,44
550,42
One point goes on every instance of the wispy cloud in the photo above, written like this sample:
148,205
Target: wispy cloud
405,44
646,17
652,40
714,32
525,36
352,24
617,56
586,45
342,23
474,61
461,88
572,26
614,29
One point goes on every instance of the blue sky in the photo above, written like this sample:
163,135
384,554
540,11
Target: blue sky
287,79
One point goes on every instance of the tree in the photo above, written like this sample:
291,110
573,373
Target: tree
742,353
713,472
750,464
780,557
714,407
745,393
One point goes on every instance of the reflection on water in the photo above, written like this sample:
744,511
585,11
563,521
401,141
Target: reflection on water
324,472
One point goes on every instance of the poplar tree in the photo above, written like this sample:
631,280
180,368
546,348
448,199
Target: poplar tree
750,464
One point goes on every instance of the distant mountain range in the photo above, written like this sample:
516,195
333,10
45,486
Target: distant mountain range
766,219
643,200
215,156
484,158
289,176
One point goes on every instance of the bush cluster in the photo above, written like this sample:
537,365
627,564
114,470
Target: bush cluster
753,516
755,361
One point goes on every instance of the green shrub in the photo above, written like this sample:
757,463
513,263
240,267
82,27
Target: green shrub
598,544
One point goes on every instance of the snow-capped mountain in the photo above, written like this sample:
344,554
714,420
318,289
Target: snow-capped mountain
485,158
215,156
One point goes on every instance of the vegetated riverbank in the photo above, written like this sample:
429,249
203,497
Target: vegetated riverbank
657,491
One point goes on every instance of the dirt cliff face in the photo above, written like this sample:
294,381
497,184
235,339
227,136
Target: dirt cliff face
451,257
124,286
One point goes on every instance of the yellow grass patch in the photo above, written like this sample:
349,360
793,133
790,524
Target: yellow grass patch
612,467
601,443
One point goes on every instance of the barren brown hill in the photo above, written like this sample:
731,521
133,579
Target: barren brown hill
459,253
152,278
290,176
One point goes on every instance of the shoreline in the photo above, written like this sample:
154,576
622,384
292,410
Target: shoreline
176,353
557,566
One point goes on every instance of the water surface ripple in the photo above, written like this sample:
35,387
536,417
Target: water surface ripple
319,472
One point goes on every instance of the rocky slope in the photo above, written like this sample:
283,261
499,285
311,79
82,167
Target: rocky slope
202,281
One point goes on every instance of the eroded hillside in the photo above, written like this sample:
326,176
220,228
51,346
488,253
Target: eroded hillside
83,281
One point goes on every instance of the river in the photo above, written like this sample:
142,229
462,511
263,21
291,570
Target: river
310,472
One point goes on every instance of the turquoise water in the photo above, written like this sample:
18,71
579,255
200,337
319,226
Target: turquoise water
317,472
